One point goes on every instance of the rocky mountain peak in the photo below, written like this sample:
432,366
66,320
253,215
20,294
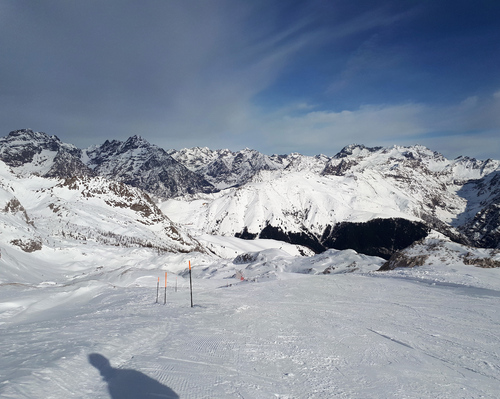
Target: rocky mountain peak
31,135
358,150
195,158
30,152
135,142
20,146
140,164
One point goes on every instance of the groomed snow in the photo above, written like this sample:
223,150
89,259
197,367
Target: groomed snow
285,331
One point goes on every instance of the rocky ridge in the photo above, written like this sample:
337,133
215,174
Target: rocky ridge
28,152
140,164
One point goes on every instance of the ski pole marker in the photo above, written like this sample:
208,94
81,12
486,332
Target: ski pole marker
190,284
165,299
157,289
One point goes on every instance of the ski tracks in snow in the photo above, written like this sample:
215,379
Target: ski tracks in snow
302,336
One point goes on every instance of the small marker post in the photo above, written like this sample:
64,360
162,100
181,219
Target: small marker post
165,299
190,284
157,289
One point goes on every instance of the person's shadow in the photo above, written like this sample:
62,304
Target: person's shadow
129,384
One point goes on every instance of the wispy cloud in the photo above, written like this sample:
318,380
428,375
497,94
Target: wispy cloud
470,127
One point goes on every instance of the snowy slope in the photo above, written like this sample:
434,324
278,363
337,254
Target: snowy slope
309,194
429,331
291,200
47,215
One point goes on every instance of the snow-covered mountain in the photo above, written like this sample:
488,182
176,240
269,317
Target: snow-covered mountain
362,198
481,221
140,164
225,168
447,195
47,215
28,152
374,200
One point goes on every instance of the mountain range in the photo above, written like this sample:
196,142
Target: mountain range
376,200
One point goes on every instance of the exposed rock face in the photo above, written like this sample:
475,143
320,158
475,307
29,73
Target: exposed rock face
28,245
225,168
400,259
29,152
68,165
483,229
357,150
14,206
21,146
338,168
484,262
140,164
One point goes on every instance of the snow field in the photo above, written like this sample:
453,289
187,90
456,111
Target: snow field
297,336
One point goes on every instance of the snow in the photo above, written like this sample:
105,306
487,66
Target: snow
313,201
285,331
81,315
230,247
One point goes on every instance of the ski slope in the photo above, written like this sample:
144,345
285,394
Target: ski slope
80,259
284,332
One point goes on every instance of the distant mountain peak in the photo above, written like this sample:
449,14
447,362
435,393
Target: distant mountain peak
356,150
137,142
28,132
21,136
140,164
31,152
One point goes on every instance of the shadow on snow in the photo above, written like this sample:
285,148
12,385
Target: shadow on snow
129,384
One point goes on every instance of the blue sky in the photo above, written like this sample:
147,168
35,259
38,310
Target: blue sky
275,76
